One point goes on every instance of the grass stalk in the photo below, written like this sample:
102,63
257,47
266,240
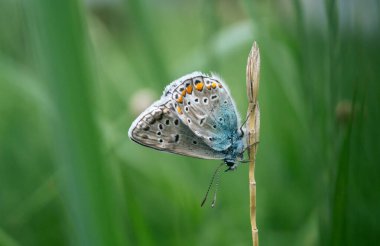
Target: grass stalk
253,126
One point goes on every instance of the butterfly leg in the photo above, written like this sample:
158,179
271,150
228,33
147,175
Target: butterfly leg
255,143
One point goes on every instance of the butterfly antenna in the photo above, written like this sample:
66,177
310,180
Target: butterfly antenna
209,187
216,189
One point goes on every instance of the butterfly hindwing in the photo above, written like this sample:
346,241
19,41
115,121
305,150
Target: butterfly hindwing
159,127
204,104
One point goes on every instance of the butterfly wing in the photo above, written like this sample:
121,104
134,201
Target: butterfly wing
204,104
160,128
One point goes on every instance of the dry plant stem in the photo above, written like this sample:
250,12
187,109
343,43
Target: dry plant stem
253,129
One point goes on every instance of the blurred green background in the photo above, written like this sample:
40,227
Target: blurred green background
74,75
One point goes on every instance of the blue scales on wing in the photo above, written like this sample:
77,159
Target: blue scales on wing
204,104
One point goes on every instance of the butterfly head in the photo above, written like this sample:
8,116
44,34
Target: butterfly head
232,165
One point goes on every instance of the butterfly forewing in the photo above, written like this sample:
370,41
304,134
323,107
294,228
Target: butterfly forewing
159,127
203,103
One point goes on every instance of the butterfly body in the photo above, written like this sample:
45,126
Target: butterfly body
235,152
196,117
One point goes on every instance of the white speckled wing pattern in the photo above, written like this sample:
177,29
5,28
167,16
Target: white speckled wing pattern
203,103
159,127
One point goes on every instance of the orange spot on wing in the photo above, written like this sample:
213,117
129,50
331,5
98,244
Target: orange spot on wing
209,87
220,86
189,89
179,110
184,93
180,99
199,86
213,85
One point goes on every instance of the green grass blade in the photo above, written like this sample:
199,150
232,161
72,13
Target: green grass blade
85,178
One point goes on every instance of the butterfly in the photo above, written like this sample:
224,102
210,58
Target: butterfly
194,117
